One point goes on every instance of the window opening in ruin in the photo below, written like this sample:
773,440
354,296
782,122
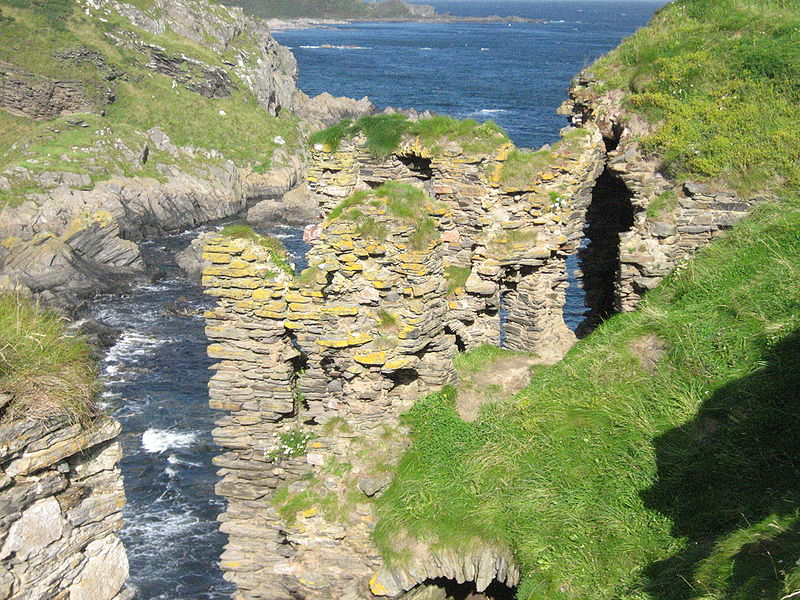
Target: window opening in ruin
610,213
419,165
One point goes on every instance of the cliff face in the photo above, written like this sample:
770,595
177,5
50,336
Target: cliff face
97,159
61,500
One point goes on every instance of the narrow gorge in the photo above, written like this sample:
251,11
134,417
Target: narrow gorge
155,145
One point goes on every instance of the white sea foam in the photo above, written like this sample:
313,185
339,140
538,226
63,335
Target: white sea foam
491,111
174,460
157,441
426,48
333,47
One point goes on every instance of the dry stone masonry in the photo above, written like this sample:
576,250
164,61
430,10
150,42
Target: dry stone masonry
670,222
61,500
510,240
315,370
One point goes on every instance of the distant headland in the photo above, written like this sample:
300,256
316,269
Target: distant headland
301,14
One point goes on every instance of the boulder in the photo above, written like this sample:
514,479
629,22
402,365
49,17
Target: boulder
296,207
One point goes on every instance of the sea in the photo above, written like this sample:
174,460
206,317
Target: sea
156,374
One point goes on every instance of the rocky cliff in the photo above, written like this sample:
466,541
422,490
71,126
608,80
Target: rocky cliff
61,500
96,160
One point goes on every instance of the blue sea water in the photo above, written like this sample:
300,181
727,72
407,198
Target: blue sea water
156,375
516,74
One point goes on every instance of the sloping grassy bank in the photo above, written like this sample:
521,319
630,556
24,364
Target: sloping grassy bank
102,144
45,368
658,460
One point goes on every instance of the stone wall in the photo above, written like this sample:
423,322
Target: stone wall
514,239
672,220
61,500
315,370
314,373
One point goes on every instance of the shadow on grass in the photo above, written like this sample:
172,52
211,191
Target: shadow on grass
730,480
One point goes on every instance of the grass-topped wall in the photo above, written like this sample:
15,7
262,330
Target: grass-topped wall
384,134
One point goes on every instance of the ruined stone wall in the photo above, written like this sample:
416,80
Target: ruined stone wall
513,238
672,220
314,373
61,500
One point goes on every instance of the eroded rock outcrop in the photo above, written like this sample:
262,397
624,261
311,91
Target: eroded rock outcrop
268,69
74,242
61,500
39,97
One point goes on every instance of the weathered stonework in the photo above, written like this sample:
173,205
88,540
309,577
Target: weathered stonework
514,239
336,355
61,500
661,238
315,371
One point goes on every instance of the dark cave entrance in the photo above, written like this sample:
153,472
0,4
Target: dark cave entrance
448,589
609,214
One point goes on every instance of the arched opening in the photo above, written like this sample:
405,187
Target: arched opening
610,213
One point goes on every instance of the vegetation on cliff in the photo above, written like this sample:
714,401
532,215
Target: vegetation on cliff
403,201
384,134
47,369
724,78
656,461
108,64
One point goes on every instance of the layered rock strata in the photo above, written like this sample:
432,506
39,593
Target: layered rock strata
512,239
61,500
67,242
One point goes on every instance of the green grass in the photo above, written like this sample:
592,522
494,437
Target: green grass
402,201
237,126
384,133
522,167
48,370
611,478
55,12
662,205
723,77
277,251
456,277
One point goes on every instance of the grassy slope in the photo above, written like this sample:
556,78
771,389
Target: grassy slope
47,370
143,100
724,76
321,9
658,460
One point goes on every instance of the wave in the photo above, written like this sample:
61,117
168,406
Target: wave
491,111
426,48
156,441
